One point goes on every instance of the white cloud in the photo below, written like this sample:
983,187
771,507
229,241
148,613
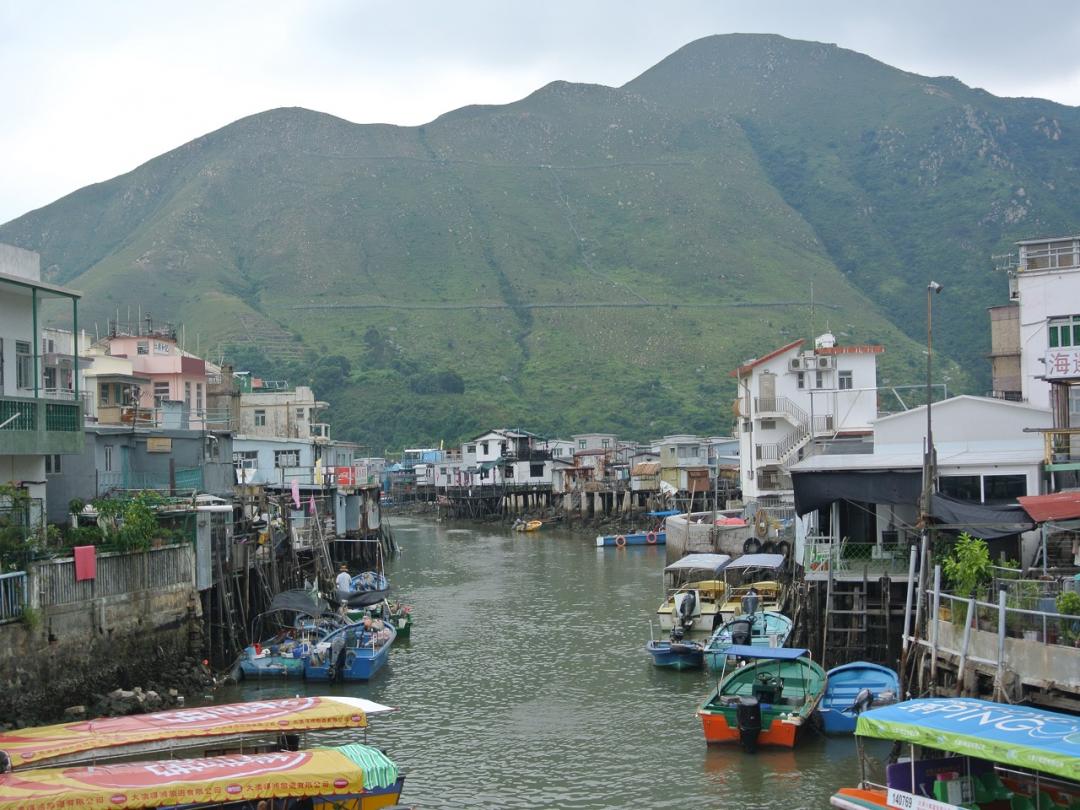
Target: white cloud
102,87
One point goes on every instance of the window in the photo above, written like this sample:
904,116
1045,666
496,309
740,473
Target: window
688,451
800,380
484,448
299,414
604,442
212,451
536,470
768,424
108,458
1,364
260,418
556,452
199,397
103,394
246,459
24,365
844,381
582,444
286,458
819,379
1000,489
470,448
143,347
52,464
964,487
508,472
187,393
1064,332
161,393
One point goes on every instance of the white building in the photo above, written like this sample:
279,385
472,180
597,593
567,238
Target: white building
282,414
37,425
792,397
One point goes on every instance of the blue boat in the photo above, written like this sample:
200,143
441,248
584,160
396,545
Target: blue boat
766,628
656,536
676,653
295,621
353,653
845,697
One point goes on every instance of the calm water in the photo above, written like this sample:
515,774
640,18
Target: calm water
526,685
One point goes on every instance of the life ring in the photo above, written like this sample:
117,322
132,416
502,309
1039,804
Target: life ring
751,546
783,547
768,547
620,541
650,538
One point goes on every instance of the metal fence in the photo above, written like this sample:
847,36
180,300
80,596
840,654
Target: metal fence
12,596
117,573
1012,621
847,557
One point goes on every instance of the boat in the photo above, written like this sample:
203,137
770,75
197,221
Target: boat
974,753
354,776
395,613
353,653
300,619
677,652
853,688
254,725
656,536
757,573
766,702
527,526
692,604
367,588
766,628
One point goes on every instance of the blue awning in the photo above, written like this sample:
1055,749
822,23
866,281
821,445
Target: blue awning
664,513
1011,735
779,653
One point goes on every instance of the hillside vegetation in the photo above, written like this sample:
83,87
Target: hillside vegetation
588,257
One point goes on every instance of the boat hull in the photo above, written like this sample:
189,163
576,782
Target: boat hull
678,656
859,799
718,730
845,682
635,539
272,666
350,663
374,799
768,629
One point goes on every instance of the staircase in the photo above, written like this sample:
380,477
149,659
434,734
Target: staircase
789,448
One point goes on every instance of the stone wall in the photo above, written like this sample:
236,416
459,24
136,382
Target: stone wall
71,654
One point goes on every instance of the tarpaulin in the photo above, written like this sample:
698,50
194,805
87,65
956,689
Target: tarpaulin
329,772
814,490
33,745
1011,735
988,521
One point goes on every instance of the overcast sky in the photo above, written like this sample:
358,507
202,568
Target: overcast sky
95,89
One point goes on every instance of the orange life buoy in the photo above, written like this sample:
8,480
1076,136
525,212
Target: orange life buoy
650,538
620,541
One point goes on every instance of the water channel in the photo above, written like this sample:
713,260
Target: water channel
526,685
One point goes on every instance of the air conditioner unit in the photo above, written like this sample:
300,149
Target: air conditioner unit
795,364
826,362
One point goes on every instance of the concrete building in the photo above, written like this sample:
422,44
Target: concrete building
794,398
282,414
38,427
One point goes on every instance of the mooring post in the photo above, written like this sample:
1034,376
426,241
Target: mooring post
933,620
964,645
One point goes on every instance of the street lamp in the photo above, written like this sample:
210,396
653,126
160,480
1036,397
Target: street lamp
932,289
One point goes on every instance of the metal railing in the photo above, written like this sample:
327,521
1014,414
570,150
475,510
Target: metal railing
1049,257
18,414
185,479
12,596
780,405
821,555
773,480
1061,445
1048,627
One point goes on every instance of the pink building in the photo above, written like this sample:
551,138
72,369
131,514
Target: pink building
175,375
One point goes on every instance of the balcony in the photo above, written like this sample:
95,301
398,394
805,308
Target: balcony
1062,449
40,426
773,481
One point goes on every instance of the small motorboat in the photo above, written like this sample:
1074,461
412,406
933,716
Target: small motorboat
757,573
693,604
367,588
656,536
766,702
766,628
353,653
677,652
395,613
527,525
851,690
295,621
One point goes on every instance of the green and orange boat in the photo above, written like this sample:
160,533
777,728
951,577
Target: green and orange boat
765,702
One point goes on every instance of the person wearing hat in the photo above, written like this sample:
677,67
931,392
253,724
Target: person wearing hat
343,582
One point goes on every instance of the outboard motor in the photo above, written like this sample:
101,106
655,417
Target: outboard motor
677,634
749,603
863,701
740,632
685,605
748,720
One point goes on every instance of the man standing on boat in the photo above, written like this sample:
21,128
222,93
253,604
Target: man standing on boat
343,582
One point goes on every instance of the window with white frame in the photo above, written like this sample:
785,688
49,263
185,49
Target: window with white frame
800,380
199,397
844,380
260,417
161,393
286,458
108,453
246,459
143,347
24,365
1063,332
52,464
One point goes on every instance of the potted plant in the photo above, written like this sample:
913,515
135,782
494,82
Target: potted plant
967,566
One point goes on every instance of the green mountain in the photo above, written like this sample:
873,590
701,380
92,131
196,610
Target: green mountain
588,257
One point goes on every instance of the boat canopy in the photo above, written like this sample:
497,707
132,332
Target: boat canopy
299,601
328,772
701,562
778,653
162,730
757,561
664,513
1019,736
